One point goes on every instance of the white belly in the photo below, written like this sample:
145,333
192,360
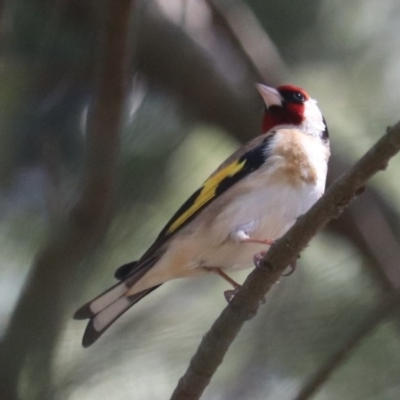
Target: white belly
265,214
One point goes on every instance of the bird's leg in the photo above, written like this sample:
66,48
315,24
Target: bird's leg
223,275
242,236
228,293
268,242
258,257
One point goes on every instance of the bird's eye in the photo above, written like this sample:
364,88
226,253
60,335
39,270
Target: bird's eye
298,96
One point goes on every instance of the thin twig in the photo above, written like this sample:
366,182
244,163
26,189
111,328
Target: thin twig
253,44
244,305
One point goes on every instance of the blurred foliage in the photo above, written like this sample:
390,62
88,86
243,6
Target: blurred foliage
343,52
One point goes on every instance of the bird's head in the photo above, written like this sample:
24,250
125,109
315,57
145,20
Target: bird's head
291,106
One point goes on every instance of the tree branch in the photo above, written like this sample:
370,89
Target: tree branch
244,305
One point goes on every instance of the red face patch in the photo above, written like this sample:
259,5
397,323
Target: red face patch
291,112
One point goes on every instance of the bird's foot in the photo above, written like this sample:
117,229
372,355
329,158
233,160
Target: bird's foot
257,258
292,267
230,294
224,276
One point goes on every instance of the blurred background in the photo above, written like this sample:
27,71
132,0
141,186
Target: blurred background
191,102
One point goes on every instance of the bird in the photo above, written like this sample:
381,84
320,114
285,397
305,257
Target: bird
252,199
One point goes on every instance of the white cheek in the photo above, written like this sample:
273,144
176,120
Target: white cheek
313,120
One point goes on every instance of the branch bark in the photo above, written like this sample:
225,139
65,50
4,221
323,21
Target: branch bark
34,327
244,305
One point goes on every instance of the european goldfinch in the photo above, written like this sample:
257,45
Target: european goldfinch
253,198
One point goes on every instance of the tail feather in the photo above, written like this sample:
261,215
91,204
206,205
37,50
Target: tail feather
102,301
111,304
101,321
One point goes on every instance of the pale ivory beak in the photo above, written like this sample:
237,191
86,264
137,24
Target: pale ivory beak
270,95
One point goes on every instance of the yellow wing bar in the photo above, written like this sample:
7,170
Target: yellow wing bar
208,192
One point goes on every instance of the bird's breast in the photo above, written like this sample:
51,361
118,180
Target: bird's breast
298,159
266,212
